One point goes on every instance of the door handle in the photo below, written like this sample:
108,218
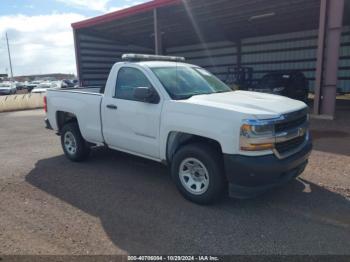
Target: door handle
114,107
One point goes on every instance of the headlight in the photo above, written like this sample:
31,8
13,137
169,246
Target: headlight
252,130
257,136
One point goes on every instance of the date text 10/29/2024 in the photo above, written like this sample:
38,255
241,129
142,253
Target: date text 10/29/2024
173,258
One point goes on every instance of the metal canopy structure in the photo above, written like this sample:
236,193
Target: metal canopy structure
161,25
195,21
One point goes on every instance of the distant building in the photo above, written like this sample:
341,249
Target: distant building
55,76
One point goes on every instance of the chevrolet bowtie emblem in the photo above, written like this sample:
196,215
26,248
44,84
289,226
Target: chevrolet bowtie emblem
301,131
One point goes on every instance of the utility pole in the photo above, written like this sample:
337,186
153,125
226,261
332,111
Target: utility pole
8,50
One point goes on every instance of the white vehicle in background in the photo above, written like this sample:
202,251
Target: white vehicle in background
19,85
7,88
33,84
42,88
58,84
212,138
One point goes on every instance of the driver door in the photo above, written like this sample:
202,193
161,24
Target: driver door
130,125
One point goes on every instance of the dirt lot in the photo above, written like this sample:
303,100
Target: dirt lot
117,204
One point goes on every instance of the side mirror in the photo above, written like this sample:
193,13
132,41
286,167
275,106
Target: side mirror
146,94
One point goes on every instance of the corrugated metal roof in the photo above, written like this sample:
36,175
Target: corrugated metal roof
185,22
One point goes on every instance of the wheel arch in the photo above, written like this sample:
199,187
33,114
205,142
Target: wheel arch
176,140
63,117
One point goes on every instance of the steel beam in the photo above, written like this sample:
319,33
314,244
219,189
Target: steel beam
77,55
158,43
239,52
320,55
329,39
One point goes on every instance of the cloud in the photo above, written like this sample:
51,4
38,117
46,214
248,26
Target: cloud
100,5
97,5
39,44
117,8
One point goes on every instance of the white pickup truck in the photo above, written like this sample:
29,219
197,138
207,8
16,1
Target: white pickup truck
211,137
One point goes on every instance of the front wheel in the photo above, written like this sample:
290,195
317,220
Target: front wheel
74,146
197,170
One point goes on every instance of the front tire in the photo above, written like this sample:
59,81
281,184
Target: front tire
197,170
74,146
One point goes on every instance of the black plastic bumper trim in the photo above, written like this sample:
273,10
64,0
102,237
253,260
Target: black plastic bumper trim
47,124
249,176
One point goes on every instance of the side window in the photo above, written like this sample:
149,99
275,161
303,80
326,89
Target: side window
127,80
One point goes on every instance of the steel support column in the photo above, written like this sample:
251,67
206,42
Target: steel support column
239,53
77,55
158,43
329,39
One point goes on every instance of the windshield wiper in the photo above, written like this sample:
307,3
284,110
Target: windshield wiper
224,91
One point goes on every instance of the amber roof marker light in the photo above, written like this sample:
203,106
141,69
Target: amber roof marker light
144,57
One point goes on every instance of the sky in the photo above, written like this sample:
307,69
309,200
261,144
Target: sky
40,33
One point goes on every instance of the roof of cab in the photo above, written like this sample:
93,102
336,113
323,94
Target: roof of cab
153,64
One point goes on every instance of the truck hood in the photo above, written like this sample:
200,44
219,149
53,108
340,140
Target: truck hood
260,105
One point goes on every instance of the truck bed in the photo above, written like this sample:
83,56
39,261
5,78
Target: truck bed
84,103
86,90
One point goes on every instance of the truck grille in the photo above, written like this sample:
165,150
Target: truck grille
294,126
284,126
290,145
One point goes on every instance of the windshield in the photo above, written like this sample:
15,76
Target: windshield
4,85
184,82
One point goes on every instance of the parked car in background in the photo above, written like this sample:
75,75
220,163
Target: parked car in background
31,85
292,84
67,83
58,84
75,82
42,88
7,88
19,85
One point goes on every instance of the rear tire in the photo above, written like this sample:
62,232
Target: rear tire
74,146
197,170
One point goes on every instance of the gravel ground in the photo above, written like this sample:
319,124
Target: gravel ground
118,204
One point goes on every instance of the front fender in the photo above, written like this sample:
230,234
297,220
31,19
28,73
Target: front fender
217,129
